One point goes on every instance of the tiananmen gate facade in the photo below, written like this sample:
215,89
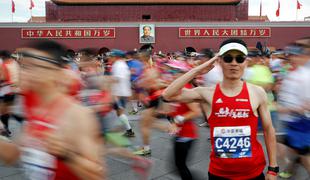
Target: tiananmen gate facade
175,25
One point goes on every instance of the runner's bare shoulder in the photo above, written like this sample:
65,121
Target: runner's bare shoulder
258,90
257,94
206,93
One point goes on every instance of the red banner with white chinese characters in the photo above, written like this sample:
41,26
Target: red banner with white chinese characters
68,33
223,32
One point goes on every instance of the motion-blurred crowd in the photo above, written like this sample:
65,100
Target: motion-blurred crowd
104,80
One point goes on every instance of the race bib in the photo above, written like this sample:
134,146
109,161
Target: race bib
232,142
38,165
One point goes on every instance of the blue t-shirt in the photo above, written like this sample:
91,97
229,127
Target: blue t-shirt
136,69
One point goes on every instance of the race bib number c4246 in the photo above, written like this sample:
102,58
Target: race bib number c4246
232,142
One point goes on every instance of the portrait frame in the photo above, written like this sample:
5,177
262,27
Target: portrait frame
145,38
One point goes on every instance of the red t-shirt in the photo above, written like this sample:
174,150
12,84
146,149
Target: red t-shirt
188,129
236,153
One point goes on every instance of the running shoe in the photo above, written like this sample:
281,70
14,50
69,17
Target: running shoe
129,134
143,152
133,112
285,175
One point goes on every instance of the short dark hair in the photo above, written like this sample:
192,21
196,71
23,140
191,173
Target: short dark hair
131,53
147,26
146,47
5,54
56,50
233,40
70,53
207,52
103,51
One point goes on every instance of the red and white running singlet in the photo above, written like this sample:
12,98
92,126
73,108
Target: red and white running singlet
37,163
10,74
236,154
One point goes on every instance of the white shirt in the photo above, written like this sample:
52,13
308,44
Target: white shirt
214,76
295,90
121,72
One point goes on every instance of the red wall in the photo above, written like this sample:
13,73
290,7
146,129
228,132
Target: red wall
167,40
133,13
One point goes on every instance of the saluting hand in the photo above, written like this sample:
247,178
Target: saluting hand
207,66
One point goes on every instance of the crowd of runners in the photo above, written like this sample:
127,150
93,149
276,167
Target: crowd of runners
74,108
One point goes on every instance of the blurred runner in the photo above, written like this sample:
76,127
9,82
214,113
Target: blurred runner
8,87
121,88
96,95
60,139
260,74
153,85
183,116
294,103
136,69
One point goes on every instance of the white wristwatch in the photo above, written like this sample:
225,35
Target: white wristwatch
179,119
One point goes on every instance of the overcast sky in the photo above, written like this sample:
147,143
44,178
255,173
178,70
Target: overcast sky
287,11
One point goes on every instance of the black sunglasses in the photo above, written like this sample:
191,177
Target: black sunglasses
229,58
21,55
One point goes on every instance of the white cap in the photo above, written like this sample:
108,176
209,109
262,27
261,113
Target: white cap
233,46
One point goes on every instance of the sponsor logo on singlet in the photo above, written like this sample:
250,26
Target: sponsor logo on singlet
233,113
242,100
219,100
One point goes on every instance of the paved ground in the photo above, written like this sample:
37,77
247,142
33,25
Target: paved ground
162,169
